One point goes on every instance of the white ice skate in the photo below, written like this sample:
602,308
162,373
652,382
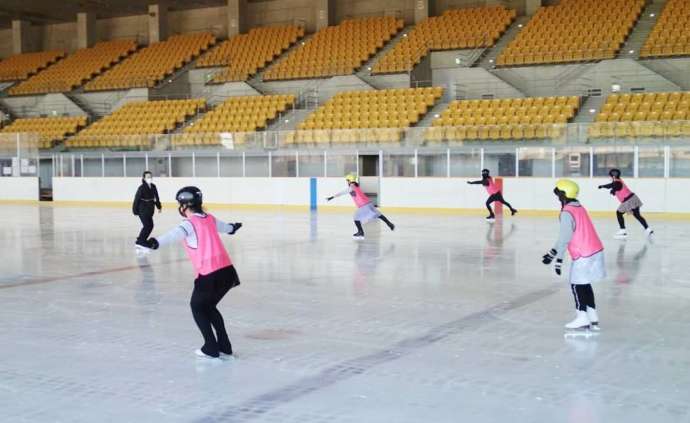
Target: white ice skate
621,234
649,232
593,319
580,323
358,237
490,219
140,250
227,357
200,354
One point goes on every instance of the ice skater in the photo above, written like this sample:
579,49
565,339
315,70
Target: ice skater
578,235
215,273
145,202
494,194
630,203
365,209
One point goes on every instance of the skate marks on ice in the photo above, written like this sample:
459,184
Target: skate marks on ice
340,372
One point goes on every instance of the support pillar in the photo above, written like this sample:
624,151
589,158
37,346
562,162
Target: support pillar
237,17
421,10
531,7
21,37
158,22
86,29
325,13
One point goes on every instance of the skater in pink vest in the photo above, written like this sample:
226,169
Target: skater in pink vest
215,273
630,203
494,194
365,209
578,236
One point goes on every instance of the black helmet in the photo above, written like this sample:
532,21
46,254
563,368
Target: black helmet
485,172
189,197
615,173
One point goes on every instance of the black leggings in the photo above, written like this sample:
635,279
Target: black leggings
208,291
583,295
636,213
147,227
496,197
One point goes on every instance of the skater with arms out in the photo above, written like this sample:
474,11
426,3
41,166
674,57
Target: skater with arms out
494,194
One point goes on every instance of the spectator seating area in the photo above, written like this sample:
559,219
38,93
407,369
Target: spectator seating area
389,110
573,31
152,64
455,29
76,68
21,66
50,130
236,114
643,115
504,119
245,54
132,124
336,50
671,33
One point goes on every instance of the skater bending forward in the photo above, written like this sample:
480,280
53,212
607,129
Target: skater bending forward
365,209
494,194
215,273
578,235
630,203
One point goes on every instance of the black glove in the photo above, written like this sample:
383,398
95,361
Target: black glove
600,187
152,243
557,267
330,198
548,257
235,227
469,183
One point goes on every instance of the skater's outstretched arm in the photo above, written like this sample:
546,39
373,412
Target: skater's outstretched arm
340,194
614,186
227,228
182,231
484,182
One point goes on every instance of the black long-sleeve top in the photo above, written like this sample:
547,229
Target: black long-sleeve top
146,195
614,187
484,181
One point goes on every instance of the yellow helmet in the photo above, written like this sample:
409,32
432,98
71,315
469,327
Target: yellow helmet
569,188
351,177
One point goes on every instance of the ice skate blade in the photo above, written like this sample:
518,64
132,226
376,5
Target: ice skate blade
203,357
490,220
358,237
227,357
580,333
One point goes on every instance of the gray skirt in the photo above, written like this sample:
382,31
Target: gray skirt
588,269
366,213
630,204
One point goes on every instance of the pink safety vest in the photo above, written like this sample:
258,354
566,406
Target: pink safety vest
624,192
492,188
210,254
359,197
585,241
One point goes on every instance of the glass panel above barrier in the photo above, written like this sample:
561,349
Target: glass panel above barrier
283,164
572,162
206,165
399,164
311,164
679,162
500,161
606,158
340,163
231,166
651,162
432,163
466,162
535,161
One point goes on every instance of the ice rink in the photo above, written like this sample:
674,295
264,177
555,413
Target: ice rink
448,319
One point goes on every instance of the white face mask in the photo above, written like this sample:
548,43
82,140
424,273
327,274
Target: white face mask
148,180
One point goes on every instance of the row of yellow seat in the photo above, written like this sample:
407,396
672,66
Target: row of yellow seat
336,50
81,66
573,30
671,33
152,64
21,66
238,114
50,130
455,29
133,120
244,54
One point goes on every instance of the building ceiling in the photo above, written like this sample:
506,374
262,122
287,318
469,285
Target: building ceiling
41,12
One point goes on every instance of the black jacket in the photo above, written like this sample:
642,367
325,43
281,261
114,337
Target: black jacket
145,198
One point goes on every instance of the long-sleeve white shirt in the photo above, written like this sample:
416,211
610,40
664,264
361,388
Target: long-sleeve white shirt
185,231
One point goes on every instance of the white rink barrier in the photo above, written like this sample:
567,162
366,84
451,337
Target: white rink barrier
527,194
19,189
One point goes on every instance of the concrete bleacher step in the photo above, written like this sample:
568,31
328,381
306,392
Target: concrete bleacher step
6,111
488,59
293,118
672,69
641,31
431,114
83,106
589,108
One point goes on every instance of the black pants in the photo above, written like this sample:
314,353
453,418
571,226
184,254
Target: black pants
584,296
208,291
147,227
636,213
496,197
